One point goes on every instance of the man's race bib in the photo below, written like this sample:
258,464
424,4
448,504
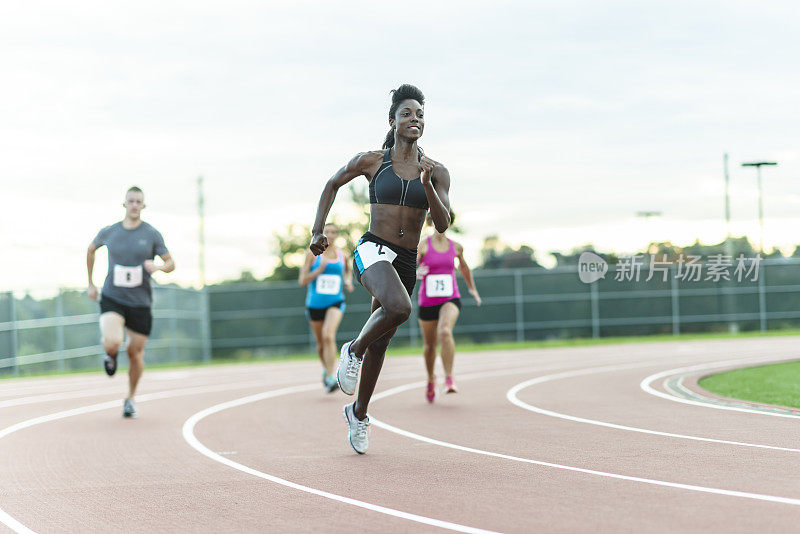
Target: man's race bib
370,253
329,284
439,285
127,276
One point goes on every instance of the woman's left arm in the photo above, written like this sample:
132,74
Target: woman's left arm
436,181
463,268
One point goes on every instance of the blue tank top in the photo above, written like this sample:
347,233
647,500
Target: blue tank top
326,289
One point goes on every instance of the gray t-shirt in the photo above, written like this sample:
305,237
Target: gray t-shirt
128,282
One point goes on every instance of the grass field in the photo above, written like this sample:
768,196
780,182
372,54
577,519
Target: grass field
412,351
777,384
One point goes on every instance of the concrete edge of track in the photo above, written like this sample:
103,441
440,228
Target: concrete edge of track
676,386
512,396
674,396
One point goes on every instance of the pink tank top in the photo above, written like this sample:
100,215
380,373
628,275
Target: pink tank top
439,285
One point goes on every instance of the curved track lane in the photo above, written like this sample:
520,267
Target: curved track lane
551,439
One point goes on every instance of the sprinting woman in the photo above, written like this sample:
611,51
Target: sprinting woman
127,298
403,185
326,276
440,303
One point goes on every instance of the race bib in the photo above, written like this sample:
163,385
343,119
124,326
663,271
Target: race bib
329,284
439,285
371,253
127,276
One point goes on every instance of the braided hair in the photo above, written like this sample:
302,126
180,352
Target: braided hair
399,95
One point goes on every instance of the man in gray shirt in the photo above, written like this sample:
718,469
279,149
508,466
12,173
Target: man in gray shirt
127,296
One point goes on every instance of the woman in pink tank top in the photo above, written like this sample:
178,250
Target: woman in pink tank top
440,303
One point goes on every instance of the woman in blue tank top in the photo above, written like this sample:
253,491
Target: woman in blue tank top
326,277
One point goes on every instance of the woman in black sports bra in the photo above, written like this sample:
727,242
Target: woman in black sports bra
404,185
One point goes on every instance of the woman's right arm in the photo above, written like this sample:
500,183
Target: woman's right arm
422,269
358,166
307,277
92,289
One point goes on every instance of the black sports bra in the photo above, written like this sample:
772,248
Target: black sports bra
388,188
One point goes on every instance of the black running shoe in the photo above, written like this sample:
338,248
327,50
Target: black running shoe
110,364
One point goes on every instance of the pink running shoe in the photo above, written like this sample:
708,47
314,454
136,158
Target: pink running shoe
430,391
449,385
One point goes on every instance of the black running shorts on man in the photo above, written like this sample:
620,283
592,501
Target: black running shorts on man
138,319
371,249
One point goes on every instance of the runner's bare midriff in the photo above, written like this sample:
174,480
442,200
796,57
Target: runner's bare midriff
388,220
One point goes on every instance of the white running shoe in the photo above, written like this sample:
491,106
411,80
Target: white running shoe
347,373
129,409
359,430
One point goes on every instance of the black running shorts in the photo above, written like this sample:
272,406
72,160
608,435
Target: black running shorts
431,313
140,320
372,249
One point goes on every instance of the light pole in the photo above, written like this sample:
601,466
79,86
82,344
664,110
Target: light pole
758,165
201,231
728,244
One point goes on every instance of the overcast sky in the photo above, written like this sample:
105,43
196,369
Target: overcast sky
557,120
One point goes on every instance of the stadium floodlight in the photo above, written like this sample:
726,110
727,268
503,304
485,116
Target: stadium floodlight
758,165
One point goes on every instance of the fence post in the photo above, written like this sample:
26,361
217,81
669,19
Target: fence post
519,305
762,300
12,312
594,297
676,310
173,324
413,337
60,329
205,324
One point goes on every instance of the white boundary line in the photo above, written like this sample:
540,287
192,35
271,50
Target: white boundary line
677,485
191,439
512,397
18,527
647,387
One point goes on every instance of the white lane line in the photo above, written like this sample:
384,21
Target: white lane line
512,396
95,391
646,386
191,439
689,487
13,524
18,527
650,481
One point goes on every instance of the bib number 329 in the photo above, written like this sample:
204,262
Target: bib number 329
127,276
